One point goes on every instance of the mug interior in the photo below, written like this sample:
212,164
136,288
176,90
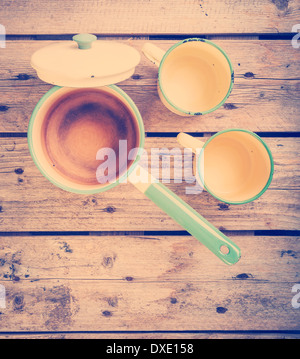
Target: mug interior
235,166
195,76
68,127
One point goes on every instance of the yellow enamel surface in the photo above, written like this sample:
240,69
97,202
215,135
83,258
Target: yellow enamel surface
188,141
236,166
195,77
168,105
153,53
105,63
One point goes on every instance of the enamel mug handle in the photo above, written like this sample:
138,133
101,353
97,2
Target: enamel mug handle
188,218
153,53
188,141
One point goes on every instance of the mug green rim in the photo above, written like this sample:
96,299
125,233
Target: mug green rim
231,80
91,191
270,157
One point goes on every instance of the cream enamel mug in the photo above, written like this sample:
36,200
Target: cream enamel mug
235,165
195,76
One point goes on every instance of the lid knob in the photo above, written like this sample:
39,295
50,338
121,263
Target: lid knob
84,41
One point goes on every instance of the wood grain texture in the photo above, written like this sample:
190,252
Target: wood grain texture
120,283
149,17
62,305
87,285
29,202
265,96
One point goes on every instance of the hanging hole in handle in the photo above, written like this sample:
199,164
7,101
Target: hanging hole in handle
224,249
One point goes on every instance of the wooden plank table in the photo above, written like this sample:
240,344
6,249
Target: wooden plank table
113,265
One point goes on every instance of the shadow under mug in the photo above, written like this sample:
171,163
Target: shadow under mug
235,166
222,246
195,76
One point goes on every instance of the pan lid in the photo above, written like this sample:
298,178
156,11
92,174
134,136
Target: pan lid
85,62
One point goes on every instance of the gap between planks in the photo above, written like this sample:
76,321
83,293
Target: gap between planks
62,37
129,233
174,134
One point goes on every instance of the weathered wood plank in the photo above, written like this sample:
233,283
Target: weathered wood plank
120,211
262,106
30,203
149,17
14,154
265,96
145,259
84,305
65,305
257,59
95,284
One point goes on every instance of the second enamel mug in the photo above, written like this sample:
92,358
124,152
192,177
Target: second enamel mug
195,76
235,165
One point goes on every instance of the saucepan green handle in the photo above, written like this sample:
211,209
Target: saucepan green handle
192,221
